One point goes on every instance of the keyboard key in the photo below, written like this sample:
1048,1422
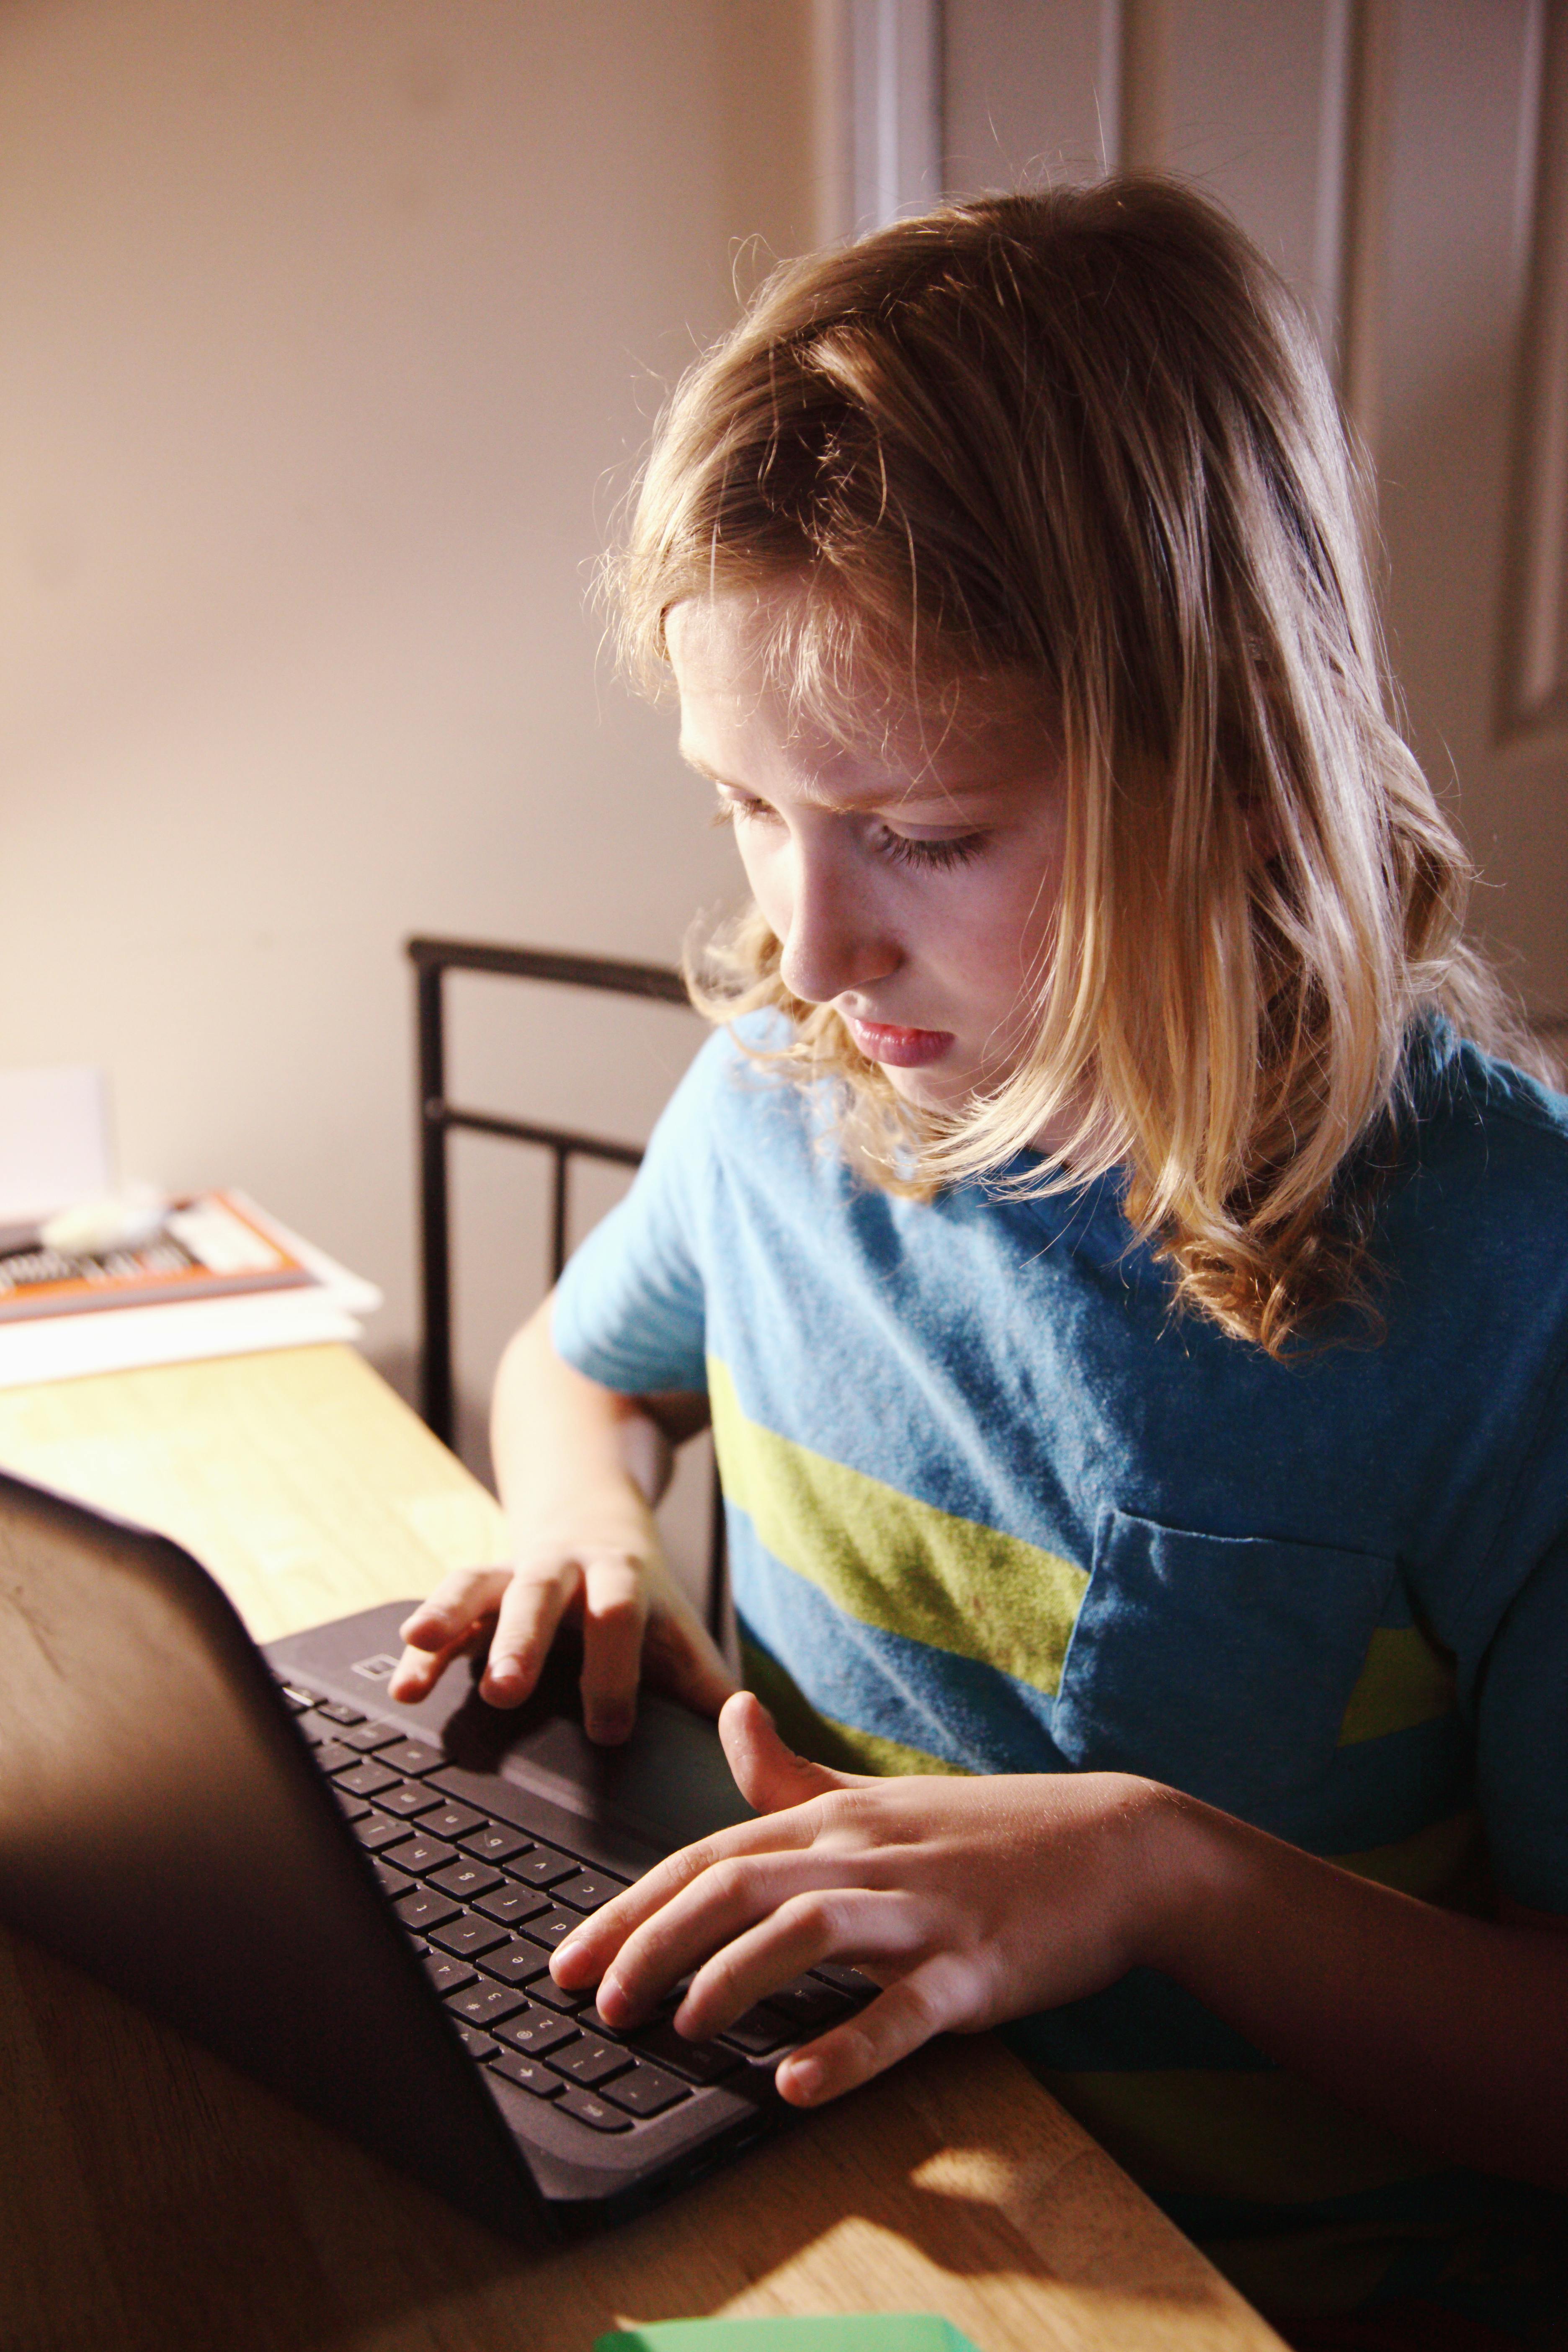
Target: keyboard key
495,1841
353,1809
332,1755
644,2090
543,1866
367,1736
467,1935
484,2004
847,1979
420,1911
535,2031
808,2006
393,1882
528,2073
419,1854
446,1974
366,1780
336,1712
553,1928
294,1698
404,1797
467,1878
592,2111
586,1891
699,2062
544,1989
377,1830
589,2059
759,2032
411,1756
477,2045
453,1821
512,1905
514,1963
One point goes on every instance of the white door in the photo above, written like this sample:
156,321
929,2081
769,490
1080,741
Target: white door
1405,164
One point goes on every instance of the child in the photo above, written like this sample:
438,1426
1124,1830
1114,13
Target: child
1129,1289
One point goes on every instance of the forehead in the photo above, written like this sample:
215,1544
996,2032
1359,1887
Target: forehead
756,716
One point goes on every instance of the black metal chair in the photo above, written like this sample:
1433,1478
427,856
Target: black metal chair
439,1118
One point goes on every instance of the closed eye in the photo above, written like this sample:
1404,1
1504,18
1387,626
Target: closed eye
899,849
731,808
936,856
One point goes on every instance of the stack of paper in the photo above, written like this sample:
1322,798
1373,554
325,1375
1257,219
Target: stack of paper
59,1319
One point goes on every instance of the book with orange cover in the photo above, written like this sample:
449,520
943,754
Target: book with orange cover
211,1247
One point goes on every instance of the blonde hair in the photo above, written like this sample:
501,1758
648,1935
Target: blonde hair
1084,439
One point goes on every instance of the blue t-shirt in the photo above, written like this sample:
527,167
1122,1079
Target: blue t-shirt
992,1506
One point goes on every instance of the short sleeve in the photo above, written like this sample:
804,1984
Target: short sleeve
1522,1747
630,1309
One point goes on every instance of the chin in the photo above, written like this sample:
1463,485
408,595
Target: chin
924,1090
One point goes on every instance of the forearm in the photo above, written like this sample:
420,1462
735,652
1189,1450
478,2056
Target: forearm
1450,2029
580,1469
557,1438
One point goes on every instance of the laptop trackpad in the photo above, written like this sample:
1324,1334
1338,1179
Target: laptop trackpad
667,1784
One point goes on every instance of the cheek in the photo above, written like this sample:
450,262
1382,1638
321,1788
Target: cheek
767,873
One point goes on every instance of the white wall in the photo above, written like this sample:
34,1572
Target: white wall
331,333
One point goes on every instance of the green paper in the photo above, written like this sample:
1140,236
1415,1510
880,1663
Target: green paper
832,2332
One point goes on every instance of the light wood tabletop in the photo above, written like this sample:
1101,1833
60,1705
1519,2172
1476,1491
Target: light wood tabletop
152,2201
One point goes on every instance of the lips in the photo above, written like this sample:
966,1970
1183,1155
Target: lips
899,1049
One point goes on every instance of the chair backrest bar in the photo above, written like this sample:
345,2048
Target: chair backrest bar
432,960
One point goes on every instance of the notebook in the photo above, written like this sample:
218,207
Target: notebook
355,1902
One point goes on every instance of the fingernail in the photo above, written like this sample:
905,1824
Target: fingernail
805,2078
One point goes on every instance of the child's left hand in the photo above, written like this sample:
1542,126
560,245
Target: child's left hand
968,1900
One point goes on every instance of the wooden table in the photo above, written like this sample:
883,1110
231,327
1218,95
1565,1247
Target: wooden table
152,2201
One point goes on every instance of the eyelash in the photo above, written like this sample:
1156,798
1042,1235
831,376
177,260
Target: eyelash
938,856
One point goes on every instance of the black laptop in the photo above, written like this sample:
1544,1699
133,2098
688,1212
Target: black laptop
356,1902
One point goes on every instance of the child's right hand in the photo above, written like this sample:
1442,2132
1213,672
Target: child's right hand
610,1573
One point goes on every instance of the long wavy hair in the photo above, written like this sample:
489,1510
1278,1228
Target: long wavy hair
1084,439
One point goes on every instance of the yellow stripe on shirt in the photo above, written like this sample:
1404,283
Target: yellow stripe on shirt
1404,1680
895,1563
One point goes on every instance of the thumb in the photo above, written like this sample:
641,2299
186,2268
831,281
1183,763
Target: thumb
769,1775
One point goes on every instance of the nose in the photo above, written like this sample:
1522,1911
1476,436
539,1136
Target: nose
833,933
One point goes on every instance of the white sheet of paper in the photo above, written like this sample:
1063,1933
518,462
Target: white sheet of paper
63,1347
173,1331
54,1140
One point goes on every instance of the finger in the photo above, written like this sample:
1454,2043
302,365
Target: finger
455,1608
588,1950
531,1608
680,1656
874,1928
615,1610
928,2001
769,1775
442,1627
733,1897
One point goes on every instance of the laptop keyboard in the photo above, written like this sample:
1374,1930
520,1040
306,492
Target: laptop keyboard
485,1904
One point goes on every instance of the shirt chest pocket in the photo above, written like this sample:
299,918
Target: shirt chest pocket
1219,1664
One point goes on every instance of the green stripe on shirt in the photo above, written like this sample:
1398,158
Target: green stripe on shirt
1404,1680
840,1746
893,1562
